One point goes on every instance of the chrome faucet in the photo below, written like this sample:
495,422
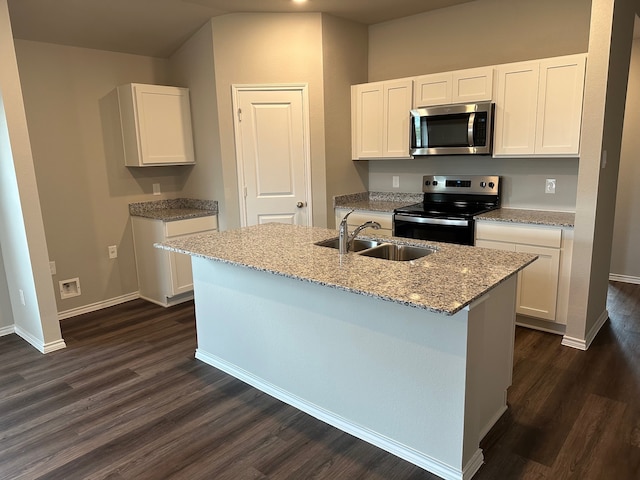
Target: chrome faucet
344,239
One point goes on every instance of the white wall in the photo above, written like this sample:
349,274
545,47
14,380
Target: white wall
625,257
6,313
610,43
83,184
22,238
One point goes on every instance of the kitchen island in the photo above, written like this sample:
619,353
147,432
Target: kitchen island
414,357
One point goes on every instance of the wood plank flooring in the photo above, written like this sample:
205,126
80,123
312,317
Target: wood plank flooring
127,400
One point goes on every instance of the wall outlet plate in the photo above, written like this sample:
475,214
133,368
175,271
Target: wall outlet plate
550,186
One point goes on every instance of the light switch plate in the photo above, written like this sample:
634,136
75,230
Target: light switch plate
396,181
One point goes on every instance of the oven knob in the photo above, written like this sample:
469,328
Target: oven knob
435,183
427,183
483,184
491,184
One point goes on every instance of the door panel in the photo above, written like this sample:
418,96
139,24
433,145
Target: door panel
272,154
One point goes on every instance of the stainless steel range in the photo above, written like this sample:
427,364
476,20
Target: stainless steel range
447,211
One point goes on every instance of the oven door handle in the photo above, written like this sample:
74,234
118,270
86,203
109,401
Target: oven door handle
431,221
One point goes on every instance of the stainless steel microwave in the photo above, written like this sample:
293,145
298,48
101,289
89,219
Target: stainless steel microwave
464,129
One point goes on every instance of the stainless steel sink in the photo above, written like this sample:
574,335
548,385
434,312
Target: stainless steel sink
358,244
400,253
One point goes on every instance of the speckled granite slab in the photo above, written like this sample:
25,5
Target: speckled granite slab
535,217
376,201
444,282
174,209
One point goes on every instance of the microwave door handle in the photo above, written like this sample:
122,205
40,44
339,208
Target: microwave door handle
470,127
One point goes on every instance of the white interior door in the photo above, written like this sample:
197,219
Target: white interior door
272,152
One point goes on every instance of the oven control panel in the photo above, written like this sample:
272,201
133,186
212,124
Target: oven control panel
475,184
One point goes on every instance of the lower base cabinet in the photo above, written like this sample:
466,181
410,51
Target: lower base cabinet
542,292
359,217
165,277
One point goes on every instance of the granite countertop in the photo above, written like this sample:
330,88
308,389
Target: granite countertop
443,282
376,201
533,217
174,209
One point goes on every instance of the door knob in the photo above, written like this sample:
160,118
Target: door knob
300,204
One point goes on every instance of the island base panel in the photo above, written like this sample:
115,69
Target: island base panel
421,385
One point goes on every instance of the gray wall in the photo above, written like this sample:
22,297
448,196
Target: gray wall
478,33
83,184
484,32
625,257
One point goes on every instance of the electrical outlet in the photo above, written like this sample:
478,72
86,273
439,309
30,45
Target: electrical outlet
550,186
52,267
156,189
113,251
396,181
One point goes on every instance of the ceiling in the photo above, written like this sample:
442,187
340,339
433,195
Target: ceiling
157,28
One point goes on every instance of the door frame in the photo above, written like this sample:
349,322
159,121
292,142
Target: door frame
303,88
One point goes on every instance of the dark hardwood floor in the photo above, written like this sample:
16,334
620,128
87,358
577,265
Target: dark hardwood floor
127,400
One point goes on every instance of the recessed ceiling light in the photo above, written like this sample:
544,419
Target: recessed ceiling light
299,1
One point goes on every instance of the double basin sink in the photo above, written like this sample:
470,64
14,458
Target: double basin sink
377,249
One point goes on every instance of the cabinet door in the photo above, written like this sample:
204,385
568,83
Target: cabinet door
433,89
180,271
516,108
538,283
472,85
368,120
560,105
397,103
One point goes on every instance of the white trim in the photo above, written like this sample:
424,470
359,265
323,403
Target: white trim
7,330
74,312
614,277
303,88
431,464
35,342
492,422
581,344
53,346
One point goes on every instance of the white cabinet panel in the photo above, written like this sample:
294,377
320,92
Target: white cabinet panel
460,86
542,286
380,119
538,283
156,125
560,105
539,107
165,277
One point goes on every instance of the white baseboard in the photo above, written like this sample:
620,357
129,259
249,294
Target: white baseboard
581,344
370,436
614,277
7,330
93,307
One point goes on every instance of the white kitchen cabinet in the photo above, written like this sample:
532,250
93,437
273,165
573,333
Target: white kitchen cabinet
539,107
542,292
359,217
461,86
380,119
156,125
165,277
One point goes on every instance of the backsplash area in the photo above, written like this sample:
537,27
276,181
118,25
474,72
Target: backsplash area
523,179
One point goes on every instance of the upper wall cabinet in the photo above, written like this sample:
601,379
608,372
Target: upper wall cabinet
462,86
156,125
539,107
380,119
